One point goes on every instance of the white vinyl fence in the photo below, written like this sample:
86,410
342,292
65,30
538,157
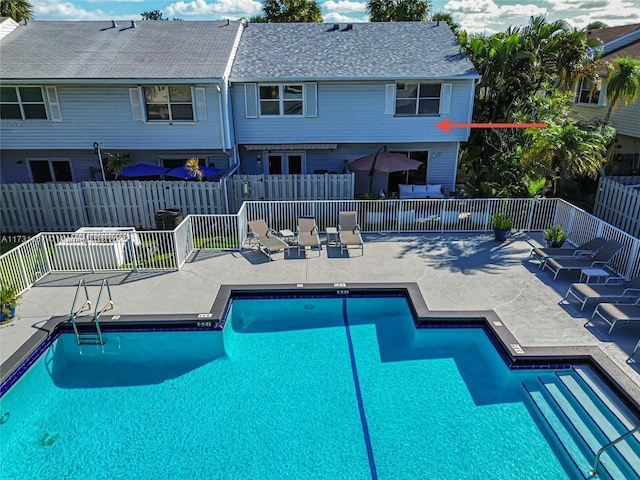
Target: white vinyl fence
169,250
47,207
618,202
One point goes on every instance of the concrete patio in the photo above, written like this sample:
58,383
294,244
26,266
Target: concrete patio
453,272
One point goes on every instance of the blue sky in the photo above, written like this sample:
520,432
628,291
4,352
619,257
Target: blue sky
475,16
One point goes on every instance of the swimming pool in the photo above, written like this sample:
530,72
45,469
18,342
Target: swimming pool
302,388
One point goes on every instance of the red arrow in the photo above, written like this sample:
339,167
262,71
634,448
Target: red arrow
446,125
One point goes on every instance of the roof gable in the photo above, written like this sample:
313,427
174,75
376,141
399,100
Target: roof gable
98,50
622,41
321,51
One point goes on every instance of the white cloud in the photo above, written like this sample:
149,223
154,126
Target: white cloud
486,16
63,10
334,17
200,8
344,6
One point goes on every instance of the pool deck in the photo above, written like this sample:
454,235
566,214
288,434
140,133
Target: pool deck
454,271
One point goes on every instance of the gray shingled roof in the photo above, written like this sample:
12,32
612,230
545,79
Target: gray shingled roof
400,50
95,50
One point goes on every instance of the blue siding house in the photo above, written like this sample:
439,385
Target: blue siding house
271,98
312,97
157,91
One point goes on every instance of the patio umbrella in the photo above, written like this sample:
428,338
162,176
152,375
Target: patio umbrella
142,170
183,173
385,162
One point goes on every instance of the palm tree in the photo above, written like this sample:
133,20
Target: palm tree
398,10
564,151
622,84
19,10
292,11
117,162
193,167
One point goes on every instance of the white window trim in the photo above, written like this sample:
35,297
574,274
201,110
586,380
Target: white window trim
579,91
280,100
169,121
50,160
417,99
21,103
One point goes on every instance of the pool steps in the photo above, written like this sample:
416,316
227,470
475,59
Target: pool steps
581,415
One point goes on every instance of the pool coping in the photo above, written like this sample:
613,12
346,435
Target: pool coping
516,356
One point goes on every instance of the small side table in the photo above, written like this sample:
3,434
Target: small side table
587,273
332,237
288,236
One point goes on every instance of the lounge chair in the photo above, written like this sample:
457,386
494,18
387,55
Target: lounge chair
608,291
266,238
613,313
601,259
307,234
587,249
349,232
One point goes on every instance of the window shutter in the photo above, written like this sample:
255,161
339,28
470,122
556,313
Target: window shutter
136,105
54,106
445,98
201,103
390,99
251,100
311,99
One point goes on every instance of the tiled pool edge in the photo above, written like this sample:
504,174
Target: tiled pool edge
516,356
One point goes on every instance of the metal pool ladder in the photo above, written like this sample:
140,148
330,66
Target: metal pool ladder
594,471
90,337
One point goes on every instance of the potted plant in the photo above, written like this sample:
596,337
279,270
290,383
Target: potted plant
501,225
555,236
8,301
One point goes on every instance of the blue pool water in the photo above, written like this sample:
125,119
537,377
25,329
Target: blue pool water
292,389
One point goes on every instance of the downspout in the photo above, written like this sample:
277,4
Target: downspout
223,135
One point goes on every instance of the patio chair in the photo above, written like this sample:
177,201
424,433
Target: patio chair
307,234
587,249
349,232
601,259
607,291
266,238
613,313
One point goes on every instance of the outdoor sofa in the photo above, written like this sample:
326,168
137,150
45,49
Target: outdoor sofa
420,191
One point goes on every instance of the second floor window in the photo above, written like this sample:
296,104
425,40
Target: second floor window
280,100
168,103
22,103
417,98
587,93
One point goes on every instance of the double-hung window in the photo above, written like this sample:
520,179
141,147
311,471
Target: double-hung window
417,98
587,92
168,103
281,100
22,103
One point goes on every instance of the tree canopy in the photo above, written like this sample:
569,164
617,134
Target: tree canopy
290,11
398,10
19,10
528,75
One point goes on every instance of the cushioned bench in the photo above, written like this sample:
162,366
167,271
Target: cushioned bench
420,191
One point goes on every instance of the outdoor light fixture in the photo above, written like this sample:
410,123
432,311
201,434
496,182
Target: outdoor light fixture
96,150
245,189
259,160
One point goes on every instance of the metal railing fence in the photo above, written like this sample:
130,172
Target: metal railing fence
169,250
